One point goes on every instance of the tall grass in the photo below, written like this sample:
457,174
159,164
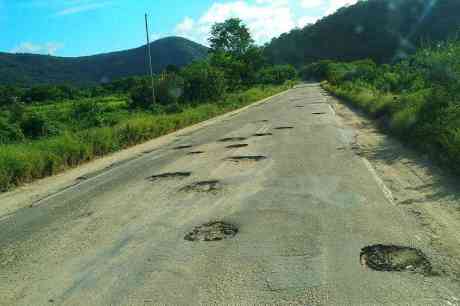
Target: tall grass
22,163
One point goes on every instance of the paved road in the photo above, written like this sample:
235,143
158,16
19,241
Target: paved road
303,214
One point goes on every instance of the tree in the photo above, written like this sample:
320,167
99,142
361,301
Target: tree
230,36
233,51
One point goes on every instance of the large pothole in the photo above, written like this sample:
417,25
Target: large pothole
212,231
211,186
236,146
252,158
169,175
395,258
230,139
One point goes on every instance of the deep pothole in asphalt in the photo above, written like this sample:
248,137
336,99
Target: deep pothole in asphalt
236,146
169,175
212,231
195,153
318,113
284,128
252,158
262,134
183,147
230,139
381,257
211,186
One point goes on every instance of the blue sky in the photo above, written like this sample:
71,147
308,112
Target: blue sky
85,27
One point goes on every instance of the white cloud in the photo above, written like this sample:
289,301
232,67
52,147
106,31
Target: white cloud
265,19
311,3
28,47
82,6
334,5
303,21
185,26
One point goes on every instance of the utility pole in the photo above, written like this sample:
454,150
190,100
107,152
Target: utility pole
149,54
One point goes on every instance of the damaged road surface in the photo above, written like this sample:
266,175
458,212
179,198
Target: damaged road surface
292,216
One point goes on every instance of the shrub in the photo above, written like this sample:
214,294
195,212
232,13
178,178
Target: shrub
37,126
9,131
276,74
203,82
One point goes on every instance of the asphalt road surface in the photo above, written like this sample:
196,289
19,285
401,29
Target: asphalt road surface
302,203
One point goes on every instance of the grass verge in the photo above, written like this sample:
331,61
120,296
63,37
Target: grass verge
25,162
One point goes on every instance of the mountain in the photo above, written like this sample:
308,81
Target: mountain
31,69
383,30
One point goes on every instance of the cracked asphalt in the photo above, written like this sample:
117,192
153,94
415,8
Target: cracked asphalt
303,213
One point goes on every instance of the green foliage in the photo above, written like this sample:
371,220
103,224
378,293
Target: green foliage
9,131
203,82
231,36
383,30
276,74
417,99
20,163
37,126
33,69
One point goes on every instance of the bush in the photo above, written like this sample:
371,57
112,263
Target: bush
276,74
203,82
9,131
37,126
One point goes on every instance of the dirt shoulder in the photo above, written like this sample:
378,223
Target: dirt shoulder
412,183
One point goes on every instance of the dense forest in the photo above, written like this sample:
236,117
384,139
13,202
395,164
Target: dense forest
383,30
33,69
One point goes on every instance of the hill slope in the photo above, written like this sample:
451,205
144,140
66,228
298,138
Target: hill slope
379,29
29,69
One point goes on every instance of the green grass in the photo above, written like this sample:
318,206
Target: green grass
25,162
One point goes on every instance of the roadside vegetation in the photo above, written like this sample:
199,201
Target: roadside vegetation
417,99
49,128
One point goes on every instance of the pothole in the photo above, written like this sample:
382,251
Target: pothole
211,186
230,139
262,134
183,147
381,257
212,231
195,152
169,175
284,128
236,146
318,113
253,158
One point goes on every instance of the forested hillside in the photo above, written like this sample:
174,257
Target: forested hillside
32,69
383,30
